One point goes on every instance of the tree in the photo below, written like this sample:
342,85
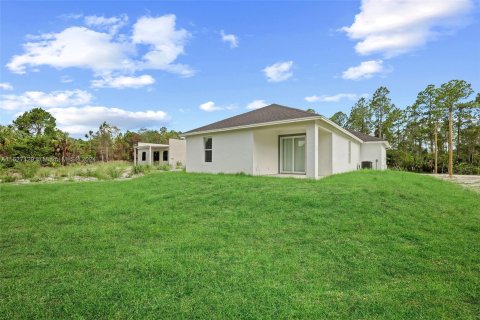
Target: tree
380,106
360,118
428,105
450,96
36,122
339,118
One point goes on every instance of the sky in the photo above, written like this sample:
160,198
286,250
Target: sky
149,64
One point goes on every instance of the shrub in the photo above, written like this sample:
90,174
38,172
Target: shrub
140,169
27,169
114,172
164,167
7,179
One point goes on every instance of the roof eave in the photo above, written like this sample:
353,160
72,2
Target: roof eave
262,124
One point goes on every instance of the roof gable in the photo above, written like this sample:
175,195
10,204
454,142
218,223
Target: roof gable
270,113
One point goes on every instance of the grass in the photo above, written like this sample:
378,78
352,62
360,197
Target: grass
34,173
363,245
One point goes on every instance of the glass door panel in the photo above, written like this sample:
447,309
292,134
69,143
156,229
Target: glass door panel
299,154
287,155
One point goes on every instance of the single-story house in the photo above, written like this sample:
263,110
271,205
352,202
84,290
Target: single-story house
277,140
173,153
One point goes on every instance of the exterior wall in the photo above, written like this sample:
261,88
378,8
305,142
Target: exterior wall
265,152
232,152
324,153
177,152
147,159
340,153
376,153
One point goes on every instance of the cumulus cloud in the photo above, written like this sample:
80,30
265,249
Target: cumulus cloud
279,71
229,38
165,42
256,104
6,86
30,99
107,52
79,120
122,82
210,106
76,47
334,98
364,70
111,24
396,27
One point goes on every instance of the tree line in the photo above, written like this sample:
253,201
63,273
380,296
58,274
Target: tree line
34,134
438,133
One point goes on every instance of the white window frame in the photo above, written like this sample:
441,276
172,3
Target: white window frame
293,154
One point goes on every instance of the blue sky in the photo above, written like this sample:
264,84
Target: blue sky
185,64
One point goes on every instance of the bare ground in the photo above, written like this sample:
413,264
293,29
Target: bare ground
468,181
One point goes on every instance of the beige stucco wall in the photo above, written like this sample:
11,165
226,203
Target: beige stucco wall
324,153
232,152
147,159
376,153
177,152
340,153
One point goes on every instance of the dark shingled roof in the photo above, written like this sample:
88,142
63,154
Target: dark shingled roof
270,113
364,137
273,112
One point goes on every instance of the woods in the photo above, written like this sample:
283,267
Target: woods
34,135
441,128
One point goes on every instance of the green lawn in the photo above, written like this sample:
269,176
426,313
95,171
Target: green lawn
362,245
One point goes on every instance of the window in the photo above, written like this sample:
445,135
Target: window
165,155
349,152
208,149
144,156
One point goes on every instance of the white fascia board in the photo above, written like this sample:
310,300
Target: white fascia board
263,124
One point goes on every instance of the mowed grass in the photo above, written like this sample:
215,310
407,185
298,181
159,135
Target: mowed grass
363,245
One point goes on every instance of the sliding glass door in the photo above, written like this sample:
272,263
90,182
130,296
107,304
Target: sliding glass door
292,154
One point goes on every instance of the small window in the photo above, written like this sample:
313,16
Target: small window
349,152
208,149
165,155
144,156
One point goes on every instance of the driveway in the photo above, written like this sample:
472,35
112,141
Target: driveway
472,182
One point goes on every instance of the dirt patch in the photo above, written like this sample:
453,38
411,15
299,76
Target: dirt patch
468,181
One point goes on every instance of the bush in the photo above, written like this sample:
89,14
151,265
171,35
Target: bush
6,179
27,169
164,167
114,172
140,169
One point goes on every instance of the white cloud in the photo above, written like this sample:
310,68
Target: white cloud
279,71
122,82
77,47
364,70
230,38
6,86
106,52
79,120
395,27
334,98
165,42
256,104
112,24
210,107
66,79
31,99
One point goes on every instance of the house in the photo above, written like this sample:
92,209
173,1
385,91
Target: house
173,153
277,140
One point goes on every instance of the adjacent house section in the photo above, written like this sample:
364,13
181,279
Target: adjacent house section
173,153
277,140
